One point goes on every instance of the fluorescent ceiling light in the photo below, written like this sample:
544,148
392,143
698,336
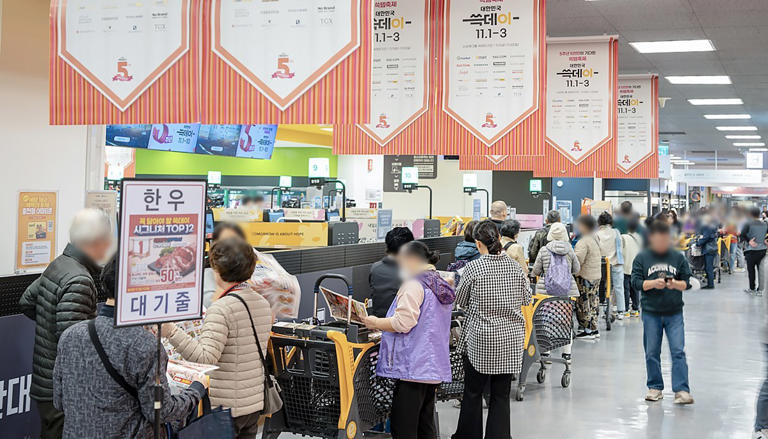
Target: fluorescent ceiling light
742,128
758,149
673,46
727,116
749,144
699,80
743,137
327,129
727,101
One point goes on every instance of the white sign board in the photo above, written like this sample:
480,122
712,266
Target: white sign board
107,43
319,167
470,180
714,177
399,67
580,95
284,47
162,231
410,175
491,64
754,160
636,134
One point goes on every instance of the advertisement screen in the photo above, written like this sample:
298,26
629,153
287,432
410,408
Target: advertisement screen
134,136
174,137
218,140
256,141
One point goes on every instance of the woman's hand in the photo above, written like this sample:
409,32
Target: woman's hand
167,329
371,322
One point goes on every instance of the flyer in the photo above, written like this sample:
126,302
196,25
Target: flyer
36,230
637,107
160,251
284,47
339,306
580,96
399,67
491,68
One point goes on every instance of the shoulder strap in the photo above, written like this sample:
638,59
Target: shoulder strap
256,336
107,364
508,245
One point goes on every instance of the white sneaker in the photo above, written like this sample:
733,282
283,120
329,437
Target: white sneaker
762,434
654,395
683,398
620,316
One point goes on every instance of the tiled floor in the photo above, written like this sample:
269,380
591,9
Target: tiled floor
605,399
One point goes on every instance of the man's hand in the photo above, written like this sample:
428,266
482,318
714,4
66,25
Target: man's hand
677,285
752,242
371,322
654,284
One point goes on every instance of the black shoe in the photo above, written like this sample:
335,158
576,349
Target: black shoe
585,336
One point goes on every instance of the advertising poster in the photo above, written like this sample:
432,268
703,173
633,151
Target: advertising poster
491,64
106,43
174,137
218,140
105,201
132,136
283,48
160,251
399,67
580,103
256,141
383,223
35,230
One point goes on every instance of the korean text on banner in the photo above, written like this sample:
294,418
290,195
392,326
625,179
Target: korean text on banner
35,230
160,252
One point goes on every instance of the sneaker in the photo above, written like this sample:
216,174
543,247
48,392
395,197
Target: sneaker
635,313
683,398
620,316
739,270
567,358
748,291
762,434
654,395
584,335
596,334
627,314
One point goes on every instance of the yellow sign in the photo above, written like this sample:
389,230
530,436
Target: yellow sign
35,230
286,234
237,215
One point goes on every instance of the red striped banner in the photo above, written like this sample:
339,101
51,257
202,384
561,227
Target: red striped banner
171,97
496,162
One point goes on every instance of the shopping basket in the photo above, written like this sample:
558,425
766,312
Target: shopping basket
327,374
455,389
548,326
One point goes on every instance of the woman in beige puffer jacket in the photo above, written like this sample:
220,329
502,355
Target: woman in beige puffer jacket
227,340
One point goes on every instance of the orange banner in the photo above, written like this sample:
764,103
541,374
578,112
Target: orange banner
35,230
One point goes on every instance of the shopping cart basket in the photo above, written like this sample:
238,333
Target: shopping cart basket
548,326
454,389
327,374
606,293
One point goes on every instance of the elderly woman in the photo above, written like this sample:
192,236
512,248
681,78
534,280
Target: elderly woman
492,291
510,229
557,251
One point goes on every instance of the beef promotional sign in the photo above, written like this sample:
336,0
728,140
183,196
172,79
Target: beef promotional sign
491,66
161,251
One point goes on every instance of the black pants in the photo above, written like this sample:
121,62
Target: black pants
753,258
51,420
630,294
471,416
413,411
247,426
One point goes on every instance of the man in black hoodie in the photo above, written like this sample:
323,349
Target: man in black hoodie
662,274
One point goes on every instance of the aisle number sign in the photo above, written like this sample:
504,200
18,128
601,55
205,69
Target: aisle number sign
162,231
535,185
35,230
410,175
470,182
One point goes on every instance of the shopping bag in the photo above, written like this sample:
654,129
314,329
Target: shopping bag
213,424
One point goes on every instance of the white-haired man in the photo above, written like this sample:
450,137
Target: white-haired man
66,293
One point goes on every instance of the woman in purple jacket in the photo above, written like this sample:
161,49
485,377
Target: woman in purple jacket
414,342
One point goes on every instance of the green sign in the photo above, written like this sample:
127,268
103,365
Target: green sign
535,185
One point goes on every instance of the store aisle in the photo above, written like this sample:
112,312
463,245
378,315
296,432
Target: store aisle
605,400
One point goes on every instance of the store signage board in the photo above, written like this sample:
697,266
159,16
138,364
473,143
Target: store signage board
109,48
36,219
410,175
160,252
665,166
755,160
713,177
580,101
490,100
105,201
214,177
286,181
476,206
383,223
535,185
399,67
267,42
469,181
637,130
394,164
174,137
319,167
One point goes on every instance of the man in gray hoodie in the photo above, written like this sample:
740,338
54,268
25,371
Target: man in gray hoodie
754,234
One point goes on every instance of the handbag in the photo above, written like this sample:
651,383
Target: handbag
213,424
273,402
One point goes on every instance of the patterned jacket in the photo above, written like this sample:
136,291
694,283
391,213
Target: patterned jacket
492,291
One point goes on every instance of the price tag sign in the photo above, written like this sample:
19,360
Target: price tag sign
162,233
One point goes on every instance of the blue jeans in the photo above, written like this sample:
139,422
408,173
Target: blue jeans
761,417
732,255
654,326
617,284
709,267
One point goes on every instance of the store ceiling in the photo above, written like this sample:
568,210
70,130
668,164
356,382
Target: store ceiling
737,28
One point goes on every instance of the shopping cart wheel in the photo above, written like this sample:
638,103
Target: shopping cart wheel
565,381
541,375
519,393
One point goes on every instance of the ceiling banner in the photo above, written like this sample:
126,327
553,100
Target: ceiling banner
638,131
502,162
581,119
101,70
492,77
298,61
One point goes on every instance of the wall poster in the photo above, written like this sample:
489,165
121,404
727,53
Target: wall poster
162,233
35,230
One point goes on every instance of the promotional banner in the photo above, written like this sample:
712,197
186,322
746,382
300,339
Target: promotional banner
281,234
292,61
580,106
35,230
638,128
101,70
162,233
174,137
490,89
500,162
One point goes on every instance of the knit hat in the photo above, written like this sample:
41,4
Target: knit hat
557,232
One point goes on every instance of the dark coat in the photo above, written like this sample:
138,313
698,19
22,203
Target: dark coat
538,242
63,295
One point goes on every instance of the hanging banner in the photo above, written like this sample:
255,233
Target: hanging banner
35,230
581,121
101,70
162,237
285,62
502,162
638,128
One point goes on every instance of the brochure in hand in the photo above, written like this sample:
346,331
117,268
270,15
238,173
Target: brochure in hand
339,305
